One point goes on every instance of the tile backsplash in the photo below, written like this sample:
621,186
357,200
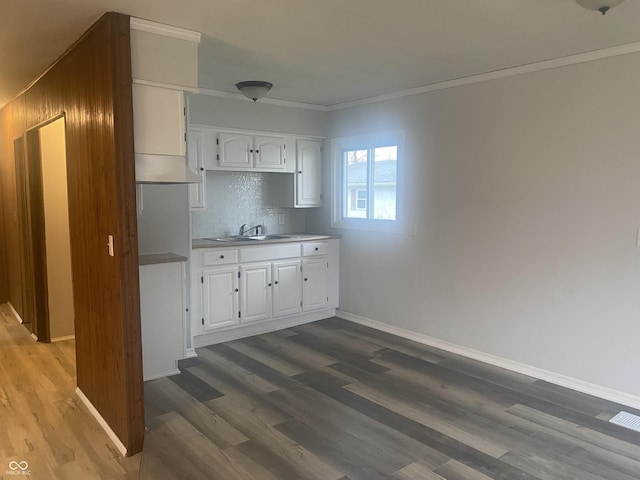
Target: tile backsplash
234,198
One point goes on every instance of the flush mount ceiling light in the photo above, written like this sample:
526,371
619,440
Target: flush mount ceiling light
602,6
254,89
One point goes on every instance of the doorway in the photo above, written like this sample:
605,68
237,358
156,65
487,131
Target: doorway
48,286
53,158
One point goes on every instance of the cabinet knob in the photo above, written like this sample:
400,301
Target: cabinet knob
202,169
222,256
236,289
257,151
276,282
306,279
300,171
316,249
269,284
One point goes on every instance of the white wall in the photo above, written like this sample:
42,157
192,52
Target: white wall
57,238
526,196
231,113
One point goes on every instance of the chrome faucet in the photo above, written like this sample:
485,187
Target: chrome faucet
257,228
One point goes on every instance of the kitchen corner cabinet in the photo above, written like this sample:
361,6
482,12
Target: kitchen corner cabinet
248,285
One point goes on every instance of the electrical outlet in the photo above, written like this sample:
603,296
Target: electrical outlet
281,219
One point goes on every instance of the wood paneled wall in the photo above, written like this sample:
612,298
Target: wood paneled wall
91,86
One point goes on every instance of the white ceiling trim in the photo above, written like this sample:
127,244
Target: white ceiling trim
270,101
165,30
507,72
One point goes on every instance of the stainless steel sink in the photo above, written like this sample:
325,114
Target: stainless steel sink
245,238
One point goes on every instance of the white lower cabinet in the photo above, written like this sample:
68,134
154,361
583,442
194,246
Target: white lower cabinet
270,290
256,292
315,287
162,318
286,288
220,297
250,285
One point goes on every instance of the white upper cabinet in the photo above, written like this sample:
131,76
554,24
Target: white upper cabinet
245,150
195,163
269,152
158,120
309,173
235,151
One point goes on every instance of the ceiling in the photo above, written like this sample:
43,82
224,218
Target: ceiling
326,52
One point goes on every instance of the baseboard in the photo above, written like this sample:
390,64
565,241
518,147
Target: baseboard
248,330
190,353
114,438
539,373
166,373
15,313
34,336
62,339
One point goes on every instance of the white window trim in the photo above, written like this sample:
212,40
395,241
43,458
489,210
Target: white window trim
395,137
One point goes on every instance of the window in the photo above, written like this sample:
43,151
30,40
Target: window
361,200
366,175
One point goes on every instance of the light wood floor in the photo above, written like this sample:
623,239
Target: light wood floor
42,422
333,400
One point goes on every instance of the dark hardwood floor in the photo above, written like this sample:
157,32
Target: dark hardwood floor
334,400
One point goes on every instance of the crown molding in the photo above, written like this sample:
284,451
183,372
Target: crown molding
507,72
270,101
164,30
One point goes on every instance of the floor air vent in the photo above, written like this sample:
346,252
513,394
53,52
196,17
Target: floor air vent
627,420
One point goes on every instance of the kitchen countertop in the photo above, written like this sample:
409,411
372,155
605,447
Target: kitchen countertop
292,238
156,258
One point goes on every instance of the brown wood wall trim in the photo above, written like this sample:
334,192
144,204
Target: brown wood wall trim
91,86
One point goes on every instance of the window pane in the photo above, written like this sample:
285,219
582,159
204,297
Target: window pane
384,185
355,164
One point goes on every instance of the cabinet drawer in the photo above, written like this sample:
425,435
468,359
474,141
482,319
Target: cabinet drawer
219,257
272,252
314,248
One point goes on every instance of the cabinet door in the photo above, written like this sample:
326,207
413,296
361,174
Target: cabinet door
195,162
234,150
158,120
220,297
255,292
287,288
315,291
309,173
269,152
